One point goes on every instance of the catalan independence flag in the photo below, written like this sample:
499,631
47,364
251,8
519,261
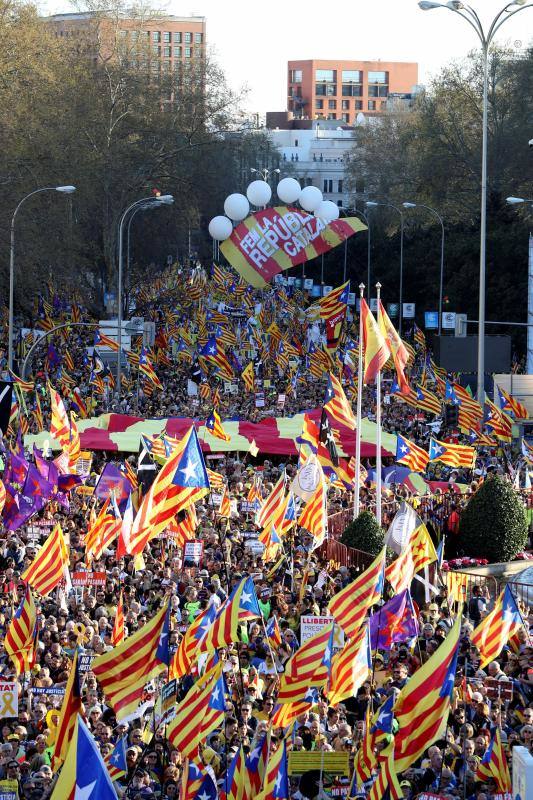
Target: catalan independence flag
70,708
309,666
495,630
124,671
241,606
84,773
527,451
510,405
411,455
423,704
20,638
187,652
377,351
117,634
276,783
48,567
494,765
417,553
335,302
351,605
350,668
101,340
200,712
499,423
314,516
336,403
214,426
455,455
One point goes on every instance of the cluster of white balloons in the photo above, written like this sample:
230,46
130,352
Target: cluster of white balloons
258,193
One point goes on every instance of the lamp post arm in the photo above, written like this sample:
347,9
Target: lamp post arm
499,21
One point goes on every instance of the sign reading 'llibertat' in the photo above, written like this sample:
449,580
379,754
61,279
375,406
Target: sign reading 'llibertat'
275,239
9,699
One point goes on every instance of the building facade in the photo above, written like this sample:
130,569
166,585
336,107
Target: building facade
340,90
170,41
317,153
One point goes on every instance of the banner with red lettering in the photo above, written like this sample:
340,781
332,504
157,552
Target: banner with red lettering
275,239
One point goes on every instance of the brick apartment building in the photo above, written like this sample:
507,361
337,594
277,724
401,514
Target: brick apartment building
339,90
169,40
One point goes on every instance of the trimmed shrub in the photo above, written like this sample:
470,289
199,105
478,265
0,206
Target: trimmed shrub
493,524
364,534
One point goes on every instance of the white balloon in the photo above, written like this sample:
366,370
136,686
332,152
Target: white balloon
288,190
259,193
310,198
327,210
220,228
236,207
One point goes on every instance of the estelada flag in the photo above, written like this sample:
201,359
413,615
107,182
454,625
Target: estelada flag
294,236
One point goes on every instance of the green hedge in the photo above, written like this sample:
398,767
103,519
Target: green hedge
364,533
493,525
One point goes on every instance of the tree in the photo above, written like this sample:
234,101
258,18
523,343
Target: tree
364,534
432,155
494,524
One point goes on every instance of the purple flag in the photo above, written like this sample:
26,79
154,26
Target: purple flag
394,622
113,480
17,470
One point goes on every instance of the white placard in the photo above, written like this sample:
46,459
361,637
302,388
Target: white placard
9,699
408,310
309,625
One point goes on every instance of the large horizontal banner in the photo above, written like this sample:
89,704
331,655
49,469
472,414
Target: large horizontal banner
275,239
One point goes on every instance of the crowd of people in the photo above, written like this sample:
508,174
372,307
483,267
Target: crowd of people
188,307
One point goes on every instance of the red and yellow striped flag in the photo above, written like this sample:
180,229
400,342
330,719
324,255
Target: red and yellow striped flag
377,350
397,348
336,403
351,605
70,708
495,630
47,569
418,552
350,668
20,636
271,502
314,516
117,634
124,671
248,377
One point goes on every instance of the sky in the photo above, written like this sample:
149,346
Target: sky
252,41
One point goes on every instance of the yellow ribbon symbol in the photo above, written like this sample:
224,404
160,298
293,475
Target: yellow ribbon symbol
52,719
8,709
79,630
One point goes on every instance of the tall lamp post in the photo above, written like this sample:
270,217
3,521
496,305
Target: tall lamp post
145,207
373,204
367,220
486,38
441,280
63,190
165,199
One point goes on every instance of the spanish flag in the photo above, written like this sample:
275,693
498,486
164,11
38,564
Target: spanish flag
400,356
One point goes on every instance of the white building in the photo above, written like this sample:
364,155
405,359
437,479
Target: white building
318,155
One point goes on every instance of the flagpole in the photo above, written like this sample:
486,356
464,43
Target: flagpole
378,425
359,409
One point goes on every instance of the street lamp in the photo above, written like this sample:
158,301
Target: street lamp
62,190
441,281
373,204
516,201
265,172
165,199
145,207
470,15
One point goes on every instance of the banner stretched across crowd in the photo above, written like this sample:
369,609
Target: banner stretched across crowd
171,625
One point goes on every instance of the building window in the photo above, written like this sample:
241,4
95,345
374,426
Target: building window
352,76
295,76
332,104
328,185
308,181
377,90
339,203
345,105
352,90
345,118
326,75
156,50
371,105
177,52
383,105
319,104
134,35
358,105
188,38
332,116
340,185
188,52
378,77
167,52
325,89
177,37
167,36
296,142
156,36
198,38
123,34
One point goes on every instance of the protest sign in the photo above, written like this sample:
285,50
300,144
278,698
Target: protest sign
309,625
193,553
9,699
88,578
